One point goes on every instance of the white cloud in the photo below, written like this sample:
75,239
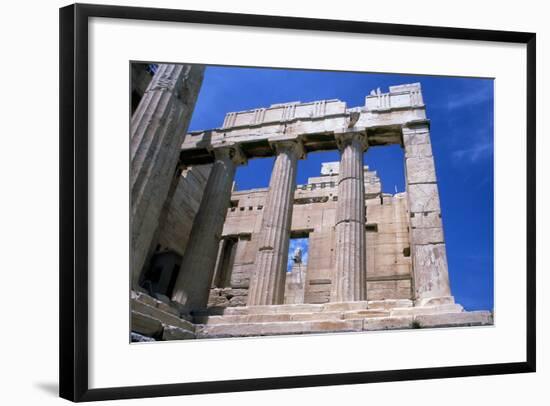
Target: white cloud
480,95
475,153
474,146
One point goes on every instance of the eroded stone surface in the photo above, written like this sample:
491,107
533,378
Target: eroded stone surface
139,338
191,288
431,274
330,318
278,328
423,236
349,278
477,318
426,220
176,333
423,197
420,169
359,320
388,323
418,150
363,243
433,309
160,315
156,133
268,282
146,325
428,250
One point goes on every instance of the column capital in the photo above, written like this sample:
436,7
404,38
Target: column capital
288,143
231,152
346,137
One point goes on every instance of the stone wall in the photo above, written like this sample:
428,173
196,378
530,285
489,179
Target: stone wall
387,236
295,284
174,233
388,248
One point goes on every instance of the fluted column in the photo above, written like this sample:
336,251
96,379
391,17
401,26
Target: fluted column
349,283
192,285
267,285
156,134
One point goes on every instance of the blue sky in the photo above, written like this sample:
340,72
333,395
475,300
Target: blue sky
461,114
301,243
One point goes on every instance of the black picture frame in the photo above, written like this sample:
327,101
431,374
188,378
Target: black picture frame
73,277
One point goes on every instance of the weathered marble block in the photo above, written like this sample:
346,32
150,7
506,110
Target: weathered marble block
415,137
175,333
420,170
426,220
146,325
476,318
427,235
418,150
430,271
423,197
387,323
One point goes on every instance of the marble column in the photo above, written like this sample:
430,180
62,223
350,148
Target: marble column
157,129
349,283
267,285
192,286
428,251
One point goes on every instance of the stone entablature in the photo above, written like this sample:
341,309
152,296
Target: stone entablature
285,112
316,124
399,97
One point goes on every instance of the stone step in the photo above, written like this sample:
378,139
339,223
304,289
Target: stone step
273,309
389,303
474,318
317,308
271,314
283,317
150,326
153,318
160,315
277,328
252,329
436,309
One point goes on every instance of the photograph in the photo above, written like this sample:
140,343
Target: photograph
265,201
275,203
281,201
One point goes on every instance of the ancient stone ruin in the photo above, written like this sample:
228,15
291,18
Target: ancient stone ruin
211,262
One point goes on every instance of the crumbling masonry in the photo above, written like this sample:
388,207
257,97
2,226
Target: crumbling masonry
209,261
